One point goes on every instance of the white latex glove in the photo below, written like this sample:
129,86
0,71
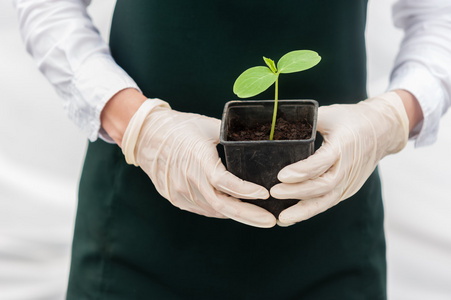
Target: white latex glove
356,137
178,152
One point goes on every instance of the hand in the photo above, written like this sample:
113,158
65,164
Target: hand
178,152
356,137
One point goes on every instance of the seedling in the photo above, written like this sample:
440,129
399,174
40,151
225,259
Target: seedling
256,80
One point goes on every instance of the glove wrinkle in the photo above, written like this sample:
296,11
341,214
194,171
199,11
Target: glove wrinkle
360,135
178,152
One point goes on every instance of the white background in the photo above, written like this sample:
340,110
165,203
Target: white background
41,154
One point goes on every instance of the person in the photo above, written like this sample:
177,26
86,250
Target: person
130,242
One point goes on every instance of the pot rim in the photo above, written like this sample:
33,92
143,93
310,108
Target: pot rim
222,140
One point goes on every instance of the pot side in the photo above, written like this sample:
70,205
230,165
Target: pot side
260,161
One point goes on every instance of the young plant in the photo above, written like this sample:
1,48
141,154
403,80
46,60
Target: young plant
256,80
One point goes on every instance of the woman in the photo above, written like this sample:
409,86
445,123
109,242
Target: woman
130,242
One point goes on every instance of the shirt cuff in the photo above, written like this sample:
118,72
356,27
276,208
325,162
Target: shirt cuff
417,79
95,82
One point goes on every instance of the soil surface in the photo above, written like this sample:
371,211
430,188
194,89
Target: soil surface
284,130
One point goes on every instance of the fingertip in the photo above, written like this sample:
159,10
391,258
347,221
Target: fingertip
262,193
281,224
274,191
243,212
270,222
278,191
288,175
260,218
283,218
310,167
234,186
292,215
252,191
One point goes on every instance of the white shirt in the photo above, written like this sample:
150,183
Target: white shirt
71,54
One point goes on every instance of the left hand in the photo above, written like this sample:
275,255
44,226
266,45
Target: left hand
356,137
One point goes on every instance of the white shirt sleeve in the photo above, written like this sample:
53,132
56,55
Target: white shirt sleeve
70,52
423,65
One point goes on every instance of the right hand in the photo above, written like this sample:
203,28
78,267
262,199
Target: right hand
178,152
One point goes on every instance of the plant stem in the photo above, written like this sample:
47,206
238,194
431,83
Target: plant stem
274,115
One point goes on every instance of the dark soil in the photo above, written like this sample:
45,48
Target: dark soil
284,130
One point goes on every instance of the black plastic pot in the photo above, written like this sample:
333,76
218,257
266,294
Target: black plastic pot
261,161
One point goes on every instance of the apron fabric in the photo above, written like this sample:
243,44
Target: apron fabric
131,243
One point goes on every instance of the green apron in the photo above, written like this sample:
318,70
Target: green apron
130,243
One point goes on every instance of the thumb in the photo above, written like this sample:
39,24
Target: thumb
312,167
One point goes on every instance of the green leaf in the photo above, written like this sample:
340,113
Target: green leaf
297,61
253,81
270,63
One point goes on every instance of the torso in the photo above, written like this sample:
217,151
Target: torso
130,243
